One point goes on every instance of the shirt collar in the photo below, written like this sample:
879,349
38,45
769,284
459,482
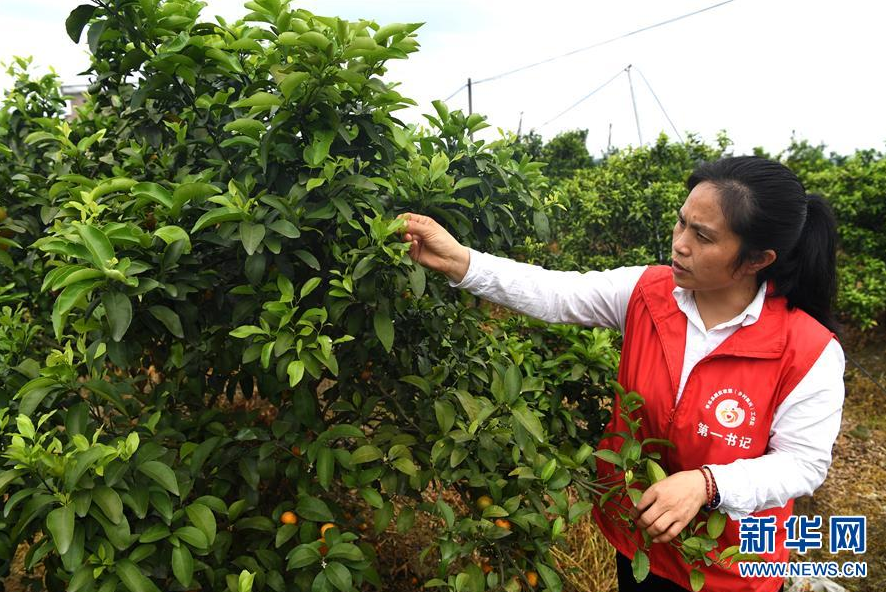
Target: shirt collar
749,316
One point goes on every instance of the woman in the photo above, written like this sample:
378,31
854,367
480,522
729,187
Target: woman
732,347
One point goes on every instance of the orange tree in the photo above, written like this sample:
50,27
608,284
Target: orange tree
218,224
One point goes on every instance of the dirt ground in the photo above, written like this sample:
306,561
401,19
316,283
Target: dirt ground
856,483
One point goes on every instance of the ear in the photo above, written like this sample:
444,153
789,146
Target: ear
760,261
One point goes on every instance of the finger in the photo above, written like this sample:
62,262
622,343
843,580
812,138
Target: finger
647,499
661,526
649,517
670,534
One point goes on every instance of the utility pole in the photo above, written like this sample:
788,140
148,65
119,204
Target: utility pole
520,125
609,139
470,99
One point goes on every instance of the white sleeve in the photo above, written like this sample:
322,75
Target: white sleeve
594,298
803,432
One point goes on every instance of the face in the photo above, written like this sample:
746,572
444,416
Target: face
704,248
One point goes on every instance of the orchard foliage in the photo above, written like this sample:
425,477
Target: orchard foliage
621,210
214,341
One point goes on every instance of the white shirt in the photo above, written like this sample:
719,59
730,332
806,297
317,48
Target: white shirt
804,427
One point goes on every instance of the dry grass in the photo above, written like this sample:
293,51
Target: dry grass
588,564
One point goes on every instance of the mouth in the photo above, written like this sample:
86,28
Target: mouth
679,268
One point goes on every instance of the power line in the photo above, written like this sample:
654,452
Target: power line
458,90
595,45
649,86
634,103
584,98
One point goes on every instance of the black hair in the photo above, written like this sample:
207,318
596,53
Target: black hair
766,205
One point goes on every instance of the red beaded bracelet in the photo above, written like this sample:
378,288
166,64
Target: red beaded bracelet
713,492
707,486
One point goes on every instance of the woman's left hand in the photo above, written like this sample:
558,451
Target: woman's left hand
668,506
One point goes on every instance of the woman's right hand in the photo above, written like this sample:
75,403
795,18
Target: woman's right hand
432,246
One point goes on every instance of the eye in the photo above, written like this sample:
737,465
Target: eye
703,238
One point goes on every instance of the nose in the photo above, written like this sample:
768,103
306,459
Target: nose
679,243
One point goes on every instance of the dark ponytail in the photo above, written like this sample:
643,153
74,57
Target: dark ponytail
766,205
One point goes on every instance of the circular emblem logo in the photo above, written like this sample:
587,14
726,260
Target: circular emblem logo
729,414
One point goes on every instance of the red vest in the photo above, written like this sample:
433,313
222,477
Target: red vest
725,412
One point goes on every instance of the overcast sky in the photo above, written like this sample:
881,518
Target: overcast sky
760,69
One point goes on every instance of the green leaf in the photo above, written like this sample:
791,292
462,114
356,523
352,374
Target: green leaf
97,243
316,153
417,280
76,21
162,474
110,503
550,578
309,286
71,295
610,456
292,81
202,517
405,465
259,99
195,537
169,319
170,234
155,533
33,393
384,329
513,382
187,192
640,565
696,580
85,461
417,381
445,414
133,578
303,556
716,523
251,235
60,523
339,575
439,166
365,454
528,420
246,126
325,467
183,565
245,331
345,552
383,517
296,371
118,310
313,509
217,216
155,192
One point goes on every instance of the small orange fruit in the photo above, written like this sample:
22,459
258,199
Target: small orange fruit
366,375
502,523
483,502
532,578
295,450
486,567
324,528
289,518
324,550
